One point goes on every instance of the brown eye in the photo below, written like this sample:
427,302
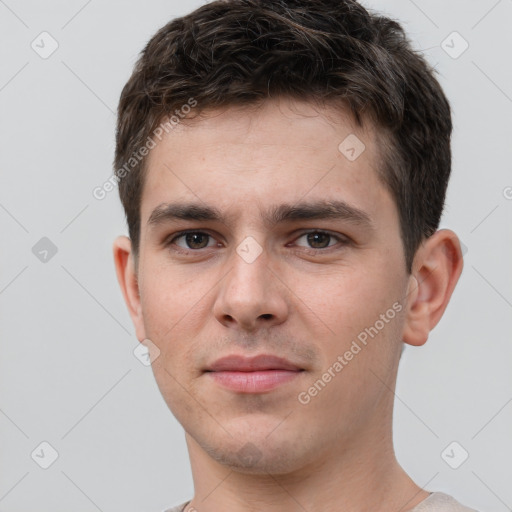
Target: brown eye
318,240
196,240
321,240
193,240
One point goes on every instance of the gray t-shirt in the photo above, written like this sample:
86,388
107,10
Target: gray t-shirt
436,502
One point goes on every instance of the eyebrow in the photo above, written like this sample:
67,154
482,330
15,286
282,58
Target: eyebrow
338,210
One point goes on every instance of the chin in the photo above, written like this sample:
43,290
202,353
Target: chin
257,457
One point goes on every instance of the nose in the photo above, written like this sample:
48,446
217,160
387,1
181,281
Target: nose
251,296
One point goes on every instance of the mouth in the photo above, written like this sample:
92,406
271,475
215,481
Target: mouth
257,381
263,362
253,375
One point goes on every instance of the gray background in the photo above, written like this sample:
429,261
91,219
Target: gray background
68,375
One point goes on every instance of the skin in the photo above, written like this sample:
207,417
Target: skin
291,301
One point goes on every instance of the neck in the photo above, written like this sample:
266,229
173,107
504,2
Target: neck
360,474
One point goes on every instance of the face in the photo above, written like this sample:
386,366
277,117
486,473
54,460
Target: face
275,271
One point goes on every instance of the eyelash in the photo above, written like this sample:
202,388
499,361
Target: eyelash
342,240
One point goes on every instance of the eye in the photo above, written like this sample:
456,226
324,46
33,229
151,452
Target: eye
194,240
319,240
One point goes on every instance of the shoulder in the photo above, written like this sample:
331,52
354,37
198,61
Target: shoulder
436,502
441,502
178,508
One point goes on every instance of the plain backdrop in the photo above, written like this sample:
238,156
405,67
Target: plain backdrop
68,374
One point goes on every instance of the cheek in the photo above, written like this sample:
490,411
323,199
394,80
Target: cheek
363,313
347,297
361,305
168,293
176,308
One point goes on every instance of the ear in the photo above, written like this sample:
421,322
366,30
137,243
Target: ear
127,277
436,269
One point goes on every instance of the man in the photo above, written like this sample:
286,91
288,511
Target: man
283,168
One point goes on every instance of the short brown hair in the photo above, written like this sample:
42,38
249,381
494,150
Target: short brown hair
240,52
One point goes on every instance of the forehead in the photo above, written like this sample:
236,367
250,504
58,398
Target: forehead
278,153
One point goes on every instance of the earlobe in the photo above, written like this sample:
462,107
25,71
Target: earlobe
436,269
127,278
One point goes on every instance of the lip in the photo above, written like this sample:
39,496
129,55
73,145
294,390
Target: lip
253,382
238,363
253,375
